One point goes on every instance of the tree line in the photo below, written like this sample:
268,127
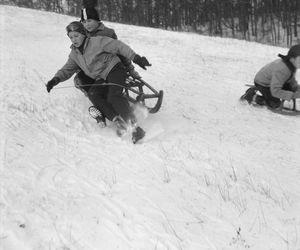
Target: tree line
269,21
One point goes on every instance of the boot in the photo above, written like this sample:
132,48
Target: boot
97,114
249,94
138,134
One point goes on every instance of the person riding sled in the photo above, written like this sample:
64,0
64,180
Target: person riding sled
276,81
97,58
95,27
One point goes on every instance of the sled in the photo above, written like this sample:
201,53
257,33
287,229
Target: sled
139,91
290,110
135,91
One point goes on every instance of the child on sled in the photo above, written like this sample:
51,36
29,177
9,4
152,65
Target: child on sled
95,27
98,58
276,81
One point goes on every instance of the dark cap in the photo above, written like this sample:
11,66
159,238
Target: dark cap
294,51
89,13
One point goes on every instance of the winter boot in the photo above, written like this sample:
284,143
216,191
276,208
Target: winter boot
96,114
121,125
249,94
138,134
259,100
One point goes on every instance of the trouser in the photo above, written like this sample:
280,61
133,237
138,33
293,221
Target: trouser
109,99
84,80
267,98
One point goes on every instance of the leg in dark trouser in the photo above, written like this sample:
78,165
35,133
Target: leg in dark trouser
98,96
120,103
115,93
271,101
84,82
82,79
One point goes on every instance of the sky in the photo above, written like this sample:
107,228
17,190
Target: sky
211,174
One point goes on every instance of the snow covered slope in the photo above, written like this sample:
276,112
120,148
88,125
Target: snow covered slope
220,175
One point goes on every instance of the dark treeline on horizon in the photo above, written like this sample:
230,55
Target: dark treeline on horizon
274,22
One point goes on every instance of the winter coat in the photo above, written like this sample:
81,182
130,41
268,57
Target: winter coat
97,59
274,75
102,30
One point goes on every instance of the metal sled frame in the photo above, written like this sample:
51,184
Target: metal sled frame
134,92
287,111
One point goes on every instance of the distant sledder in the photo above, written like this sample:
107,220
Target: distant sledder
97,57
275,84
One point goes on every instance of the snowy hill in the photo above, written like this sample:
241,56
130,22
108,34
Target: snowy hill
220,175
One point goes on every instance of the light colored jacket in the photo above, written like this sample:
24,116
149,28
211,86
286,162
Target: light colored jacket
98,58
274,75
102,30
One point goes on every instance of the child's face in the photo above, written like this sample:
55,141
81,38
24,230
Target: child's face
90,25
76,38
296,62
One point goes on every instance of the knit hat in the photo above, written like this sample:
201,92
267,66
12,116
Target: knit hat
294,51
76,26
89,13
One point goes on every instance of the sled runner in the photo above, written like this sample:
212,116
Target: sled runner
138,91
290,110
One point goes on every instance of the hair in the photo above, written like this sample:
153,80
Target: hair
76,26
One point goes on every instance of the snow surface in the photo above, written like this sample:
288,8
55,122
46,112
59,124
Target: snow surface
219,176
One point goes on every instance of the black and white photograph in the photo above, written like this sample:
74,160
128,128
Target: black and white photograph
150,125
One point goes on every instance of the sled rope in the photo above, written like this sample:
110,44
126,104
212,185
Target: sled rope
96,84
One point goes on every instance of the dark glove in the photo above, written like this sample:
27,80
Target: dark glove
296,95
133,72
141,61
54,81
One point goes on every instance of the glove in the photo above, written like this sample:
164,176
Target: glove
296,94
141,61
133,72
293,86
54,81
